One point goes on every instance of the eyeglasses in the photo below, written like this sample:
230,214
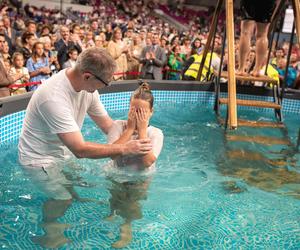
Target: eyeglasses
100,79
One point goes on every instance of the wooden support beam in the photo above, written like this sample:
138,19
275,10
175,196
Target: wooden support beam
232,112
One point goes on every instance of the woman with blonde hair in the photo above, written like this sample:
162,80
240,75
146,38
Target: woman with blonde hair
19,73
118,50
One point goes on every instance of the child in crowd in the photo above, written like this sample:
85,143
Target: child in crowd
38,65
19,73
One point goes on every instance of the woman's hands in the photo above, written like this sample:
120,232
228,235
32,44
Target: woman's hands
138,119
131,123
142,122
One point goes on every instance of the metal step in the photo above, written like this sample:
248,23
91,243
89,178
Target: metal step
252,103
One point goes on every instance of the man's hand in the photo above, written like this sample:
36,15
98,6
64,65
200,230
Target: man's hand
137,147
147,55
152,55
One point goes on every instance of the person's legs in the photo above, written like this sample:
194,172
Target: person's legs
261,47
247,28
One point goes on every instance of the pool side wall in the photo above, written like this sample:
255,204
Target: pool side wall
116,97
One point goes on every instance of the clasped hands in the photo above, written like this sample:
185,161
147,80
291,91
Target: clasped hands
150,55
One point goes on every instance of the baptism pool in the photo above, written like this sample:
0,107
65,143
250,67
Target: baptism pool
201,196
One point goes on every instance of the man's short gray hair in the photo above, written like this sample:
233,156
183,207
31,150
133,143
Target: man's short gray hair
97,61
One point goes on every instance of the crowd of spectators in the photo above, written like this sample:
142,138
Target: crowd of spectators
37,42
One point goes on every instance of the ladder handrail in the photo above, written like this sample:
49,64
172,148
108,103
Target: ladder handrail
213,28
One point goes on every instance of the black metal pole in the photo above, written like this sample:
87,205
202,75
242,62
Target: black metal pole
287,63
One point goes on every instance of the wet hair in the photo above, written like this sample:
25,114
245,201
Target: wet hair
144,93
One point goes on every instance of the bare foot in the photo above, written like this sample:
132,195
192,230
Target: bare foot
110,217
53,241
54,235
241,73
255,73
125,237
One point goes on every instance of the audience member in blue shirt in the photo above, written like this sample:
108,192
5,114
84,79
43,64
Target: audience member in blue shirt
292,73
38,65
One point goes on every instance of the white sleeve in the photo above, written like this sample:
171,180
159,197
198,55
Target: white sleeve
157,139
96,107
115,131
59,120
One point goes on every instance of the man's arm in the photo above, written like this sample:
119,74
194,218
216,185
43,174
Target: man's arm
103,122
82,149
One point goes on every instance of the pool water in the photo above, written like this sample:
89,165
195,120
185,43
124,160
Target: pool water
208,192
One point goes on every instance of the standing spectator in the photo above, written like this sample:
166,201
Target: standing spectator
64,44
38,65
99,41
19,73
153,58
89,40
28,40
175,63
5,79
186,48
95,27
108,32
31,27
10,33
118,50
5,51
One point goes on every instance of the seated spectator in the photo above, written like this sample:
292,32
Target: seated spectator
19,73
38,65
175,62
291,75
72,55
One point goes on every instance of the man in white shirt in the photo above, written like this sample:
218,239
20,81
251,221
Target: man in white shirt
51,131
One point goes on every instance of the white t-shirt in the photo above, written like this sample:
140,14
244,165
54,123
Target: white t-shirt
153,133
54,108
